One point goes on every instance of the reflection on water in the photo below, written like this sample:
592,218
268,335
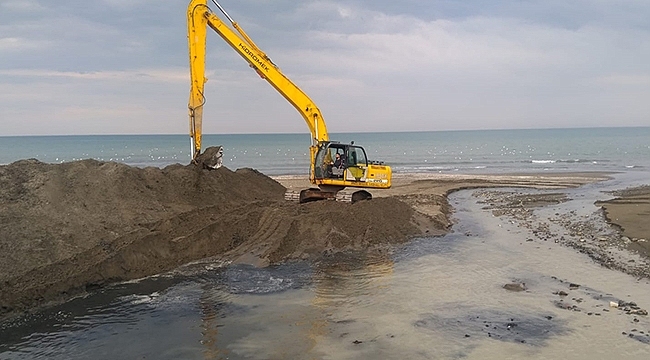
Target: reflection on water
351,278
356,280
432,298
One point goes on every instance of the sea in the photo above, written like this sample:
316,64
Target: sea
431,298
475,151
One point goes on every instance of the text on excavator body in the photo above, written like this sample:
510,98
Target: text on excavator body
254,57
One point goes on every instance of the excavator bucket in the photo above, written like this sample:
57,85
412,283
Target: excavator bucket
211,158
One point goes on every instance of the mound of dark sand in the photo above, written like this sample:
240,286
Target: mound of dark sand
70,227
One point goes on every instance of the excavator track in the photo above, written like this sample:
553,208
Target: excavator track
309,195
354,196
292,195
344,196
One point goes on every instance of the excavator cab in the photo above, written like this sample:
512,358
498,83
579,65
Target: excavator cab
336,166
343,162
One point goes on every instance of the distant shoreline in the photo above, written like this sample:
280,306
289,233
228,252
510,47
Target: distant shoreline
346,133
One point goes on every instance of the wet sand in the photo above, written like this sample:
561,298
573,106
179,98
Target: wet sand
627,214
446,297
71,228
630,212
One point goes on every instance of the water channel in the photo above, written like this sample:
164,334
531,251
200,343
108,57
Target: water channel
432,298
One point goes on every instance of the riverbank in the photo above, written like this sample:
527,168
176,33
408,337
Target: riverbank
630,212
71,228
623,246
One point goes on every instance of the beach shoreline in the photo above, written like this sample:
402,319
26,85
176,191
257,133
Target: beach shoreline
233,216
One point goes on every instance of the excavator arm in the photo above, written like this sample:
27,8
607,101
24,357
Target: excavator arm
199,17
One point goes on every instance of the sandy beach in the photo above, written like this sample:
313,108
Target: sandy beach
71,228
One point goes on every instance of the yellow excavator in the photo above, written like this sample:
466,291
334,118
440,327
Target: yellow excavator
334,166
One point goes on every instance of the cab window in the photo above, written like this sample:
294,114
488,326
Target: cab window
356,157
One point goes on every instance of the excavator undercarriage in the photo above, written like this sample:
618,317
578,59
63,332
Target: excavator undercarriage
316,194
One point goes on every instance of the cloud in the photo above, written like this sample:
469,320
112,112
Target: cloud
21,6
412,65
147,75
67,103
16,44
626,80
477,45
128,4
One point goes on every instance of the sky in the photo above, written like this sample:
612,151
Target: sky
70,67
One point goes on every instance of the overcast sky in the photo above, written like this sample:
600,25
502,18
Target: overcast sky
120,66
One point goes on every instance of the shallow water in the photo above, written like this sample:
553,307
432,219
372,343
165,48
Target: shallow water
433,298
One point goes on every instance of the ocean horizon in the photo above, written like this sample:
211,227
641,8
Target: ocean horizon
611,149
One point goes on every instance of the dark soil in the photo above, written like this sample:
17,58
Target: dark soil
72,227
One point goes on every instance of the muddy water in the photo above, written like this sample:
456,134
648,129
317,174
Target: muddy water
434,298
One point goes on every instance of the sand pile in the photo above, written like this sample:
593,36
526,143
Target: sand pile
69,227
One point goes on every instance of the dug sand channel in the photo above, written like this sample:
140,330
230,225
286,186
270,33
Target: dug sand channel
69,228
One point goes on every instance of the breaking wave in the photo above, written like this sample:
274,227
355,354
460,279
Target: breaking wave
542,161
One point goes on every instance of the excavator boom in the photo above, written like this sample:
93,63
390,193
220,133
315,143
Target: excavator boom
199,17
